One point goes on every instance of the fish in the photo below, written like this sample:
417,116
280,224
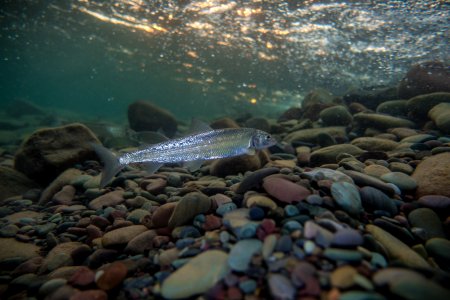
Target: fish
191,150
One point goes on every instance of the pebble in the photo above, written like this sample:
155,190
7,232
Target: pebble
122,235
226,208
280,287
89,295
347,196
400,179
60,255
261,201
347,237
397,249
256,213
141,243
111,275
435,201
242,252
338,255
197,276
188,207
373,199
65,195
439,249
285,190
428,220
108,199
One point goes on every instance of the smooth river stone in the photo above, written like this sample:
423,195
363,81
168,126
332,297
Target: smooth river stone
281,287
285,190
402,180
396,249
242,253
59,256
428,220
439,249
197,276
347,196
110,199
122,235
188,207
11,248
433,175
374,144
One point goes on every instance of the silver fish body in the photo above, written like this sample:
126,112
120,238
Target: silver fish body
196,148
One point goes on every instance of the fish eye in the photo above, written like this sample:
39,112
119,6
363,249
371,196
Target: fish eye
268,137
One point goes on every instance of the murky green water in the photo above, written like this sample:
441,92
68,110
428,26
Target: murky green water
208,58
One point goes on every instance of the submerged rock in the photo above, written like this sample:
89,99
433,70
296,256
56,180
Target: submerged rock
440,114
145,116
50,151
433,175
197,276
424,78
14,183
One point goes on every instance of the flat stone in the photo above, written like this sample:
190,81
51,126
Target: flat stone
188,207
439,249
11,248
197,276
141,243
59,256
311,135
242,253
281,287
109,199
435,201
381,121
328,155
428,220
285,190
122,235
374,144
373,199
401,180
397,249
261,201
347,196
111,275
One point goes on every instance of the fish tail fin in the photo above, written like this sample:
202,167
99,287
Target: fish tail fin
111,164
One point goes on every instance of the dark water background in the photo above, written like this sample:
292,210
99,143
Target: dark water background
208,58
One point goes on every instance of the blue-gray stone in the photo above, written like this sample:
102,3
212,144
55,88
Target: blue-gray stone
291,210
247,231
291,225
242,253
281,287
225,208
248,286
347,196
256,213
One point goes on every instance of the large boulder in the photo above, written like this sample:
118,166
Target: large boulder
433,175
145,116
13,183
50,151
424,78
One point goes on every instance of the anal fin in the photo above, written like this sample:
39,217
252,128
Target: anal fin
193,165
152,167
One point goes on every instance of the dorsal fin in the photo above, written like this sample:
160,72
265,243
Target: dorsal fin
198,126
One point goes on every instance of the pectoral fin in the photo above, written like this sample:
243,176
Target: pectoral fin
193,165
